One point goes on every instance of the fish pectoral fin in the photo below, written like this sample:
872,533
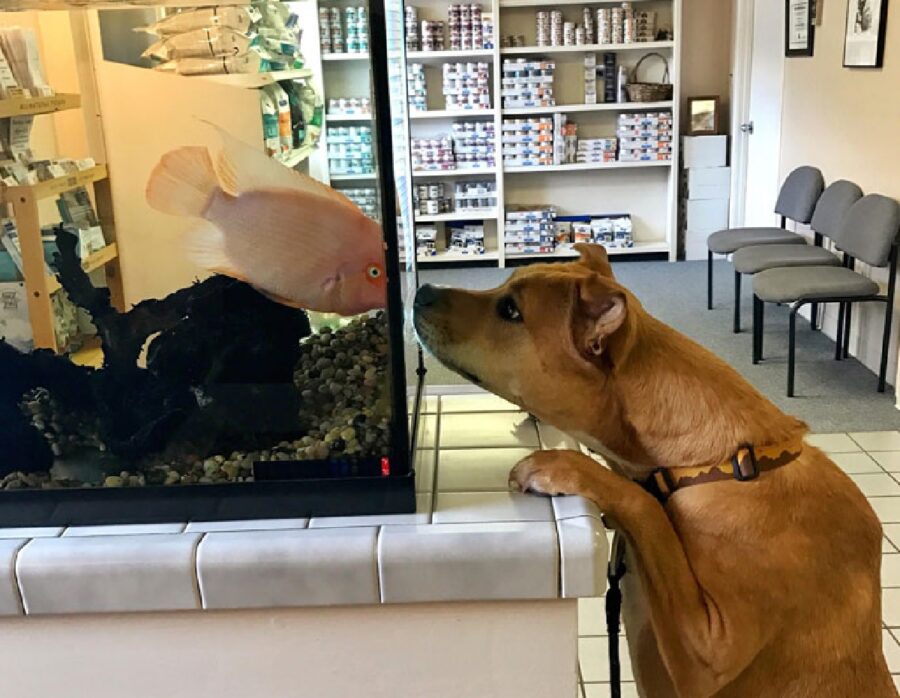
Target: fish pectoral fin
206,248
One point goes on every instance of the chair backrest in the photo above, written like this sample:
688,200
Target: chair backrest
869,229
799,193
833,205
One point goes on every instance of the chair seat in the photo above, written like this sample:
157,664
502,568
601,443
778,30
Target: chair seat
752,260
727,241
785,285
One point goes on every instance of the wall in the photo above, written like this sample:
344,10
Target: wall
845,122
706,54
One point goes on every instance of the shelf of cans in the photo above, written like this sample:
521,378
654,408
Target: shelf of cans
344,31
464,86
606,25
350,150
527,83
539,230
364,197
468,198
469,147
349,106
468,28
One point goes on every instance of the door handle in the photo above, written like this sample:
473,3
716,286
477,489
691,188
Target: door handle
747,128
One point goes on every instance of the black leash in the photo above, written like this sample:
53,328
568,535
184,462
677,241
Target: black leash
614,573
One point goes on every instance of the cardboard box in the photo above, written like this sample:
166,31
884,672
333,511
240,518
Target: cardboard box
708,183
704,151
695,245
706,215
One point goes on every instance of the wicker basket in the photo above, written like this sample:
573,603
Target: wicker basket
649,91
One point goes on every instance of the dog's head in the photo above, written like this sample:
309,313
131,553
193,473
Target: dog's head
548,333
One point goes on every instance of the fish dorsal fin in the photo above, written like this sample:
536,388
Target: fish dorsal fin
241,167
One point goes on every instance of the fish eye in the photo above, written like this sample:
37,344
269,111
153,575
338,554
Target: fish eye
508,310
374,272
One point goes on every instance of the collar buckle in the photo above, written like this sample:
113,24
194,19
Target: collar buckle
739,464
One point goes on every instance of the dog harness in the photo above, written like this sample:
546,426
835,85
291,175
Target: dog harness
745,465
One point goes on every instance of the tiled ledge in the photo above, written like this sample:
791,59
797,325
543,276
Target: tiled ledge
470,539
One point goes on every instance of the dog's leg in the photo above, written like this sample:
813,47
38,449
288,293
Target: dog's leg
704,642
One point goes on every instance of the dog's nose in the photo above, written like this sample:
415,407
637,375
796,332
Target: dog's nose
426,296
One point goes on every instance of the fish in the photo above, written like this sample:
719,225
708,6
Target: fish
293,238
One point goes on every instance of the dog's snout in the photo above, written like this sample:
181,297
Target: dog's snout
427,296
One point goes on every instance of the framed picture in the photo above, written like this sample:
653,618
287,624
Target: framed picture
865,31
704,116
817,12
799,30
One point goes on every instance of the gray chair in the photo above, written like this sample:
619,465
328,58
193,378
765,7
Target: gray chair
868,233
829,213
796,200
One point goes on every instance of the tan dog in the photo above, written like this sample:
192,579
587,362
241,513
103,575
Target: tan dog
764,588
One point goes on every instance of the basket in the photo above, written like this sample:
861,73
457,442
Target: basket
649,91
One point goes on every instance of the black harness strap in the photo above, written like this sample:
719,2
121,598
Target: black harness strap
614,574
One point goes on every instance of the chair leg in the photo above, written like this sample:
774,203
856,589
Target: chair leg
839,339
846,336
709,280
758,310
737,302
792,345
885,342
814,317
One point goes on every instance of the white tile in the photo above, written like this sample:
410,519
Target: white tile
468,562
887,546
591,616
422,516
423,464
896,678
488,430
31,532
855,463
109,574
10,602
891,651
476,403
268,569
429,404
489,507
890,607
427,434
877,440
583,554
573,506
892,532
477,469
890,570
246,525
886,508
876,484
123,530
601,690
889,460
833,443
593,653
551,437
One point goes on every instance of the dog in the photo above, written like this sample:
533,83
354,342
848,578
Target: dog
753,561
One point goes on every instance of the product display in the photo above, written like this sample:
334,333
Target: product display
350,150
343,32
465,24
349,106
527,142
536,230
474,196
465,238
470,147
529,230
411,20
366,198
610,25
527,83
291,117
431,199
645,136
426,240
416,87
466,86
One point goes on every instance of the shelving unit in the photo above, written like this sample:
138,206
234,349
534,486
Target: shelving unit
586,48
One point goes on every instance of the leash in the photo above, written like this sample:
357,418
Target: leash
614,573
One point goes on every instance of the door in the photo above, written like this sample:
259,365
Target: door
758,81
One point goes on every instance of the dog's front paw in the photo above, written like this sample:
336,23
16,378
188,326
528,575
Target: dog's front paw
549,473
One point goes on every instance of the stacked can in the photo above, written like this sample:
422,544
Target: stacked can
473,145
416,87
604,26
645,21
432,199
466,86
473,196
350,150
325,29
412,29
356,27
337,33
432,154
556,28
527,83
366,198
348,106
542,27
432,35
487,30
629,26
587,23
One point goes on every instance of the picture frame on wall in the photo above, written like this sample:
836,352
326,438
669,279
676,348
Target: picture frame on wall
799,30
864,33
703,114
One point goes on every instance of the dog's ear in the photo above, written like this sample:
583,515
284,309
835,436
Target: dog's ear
600,311
595,258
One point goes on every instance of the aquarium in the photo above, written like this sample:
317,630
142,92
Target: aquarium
271,381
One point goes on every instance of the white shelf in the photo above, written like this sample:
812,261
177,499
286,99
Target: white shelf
450,113
479,215
639,248
256,80
554,3
345,56
576,108
587,48
455,257
455,173
352,178
348,117
581,166
465,56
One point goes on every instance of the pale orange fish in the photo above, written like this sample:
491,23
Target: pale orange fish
293,238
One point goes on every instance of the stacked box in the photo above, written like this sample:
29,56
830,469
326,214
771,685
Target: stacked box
473,145
530,230
596,150
432,199
432,35
560,126
465,238
645,21
349,106
356,28
416,87
487,30
473,196
411,16
610,78
527,83
590,78
645,136
432,154
466,86
527,142
612,230
426,240
350,150
366,198
466,25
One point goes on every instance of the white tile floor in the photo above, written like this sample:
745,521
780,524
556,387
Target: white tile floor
484,422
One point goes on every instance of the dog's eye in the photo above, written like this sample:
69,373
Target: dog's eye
508,310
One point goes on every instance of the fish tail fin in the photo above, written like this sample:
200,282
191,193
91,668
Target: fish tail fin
182,182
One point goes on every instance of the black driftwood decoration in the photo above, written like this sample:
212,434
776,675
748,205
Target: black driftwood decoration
219,372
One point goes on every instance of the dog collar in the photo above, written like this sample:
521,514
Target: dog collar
746,464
